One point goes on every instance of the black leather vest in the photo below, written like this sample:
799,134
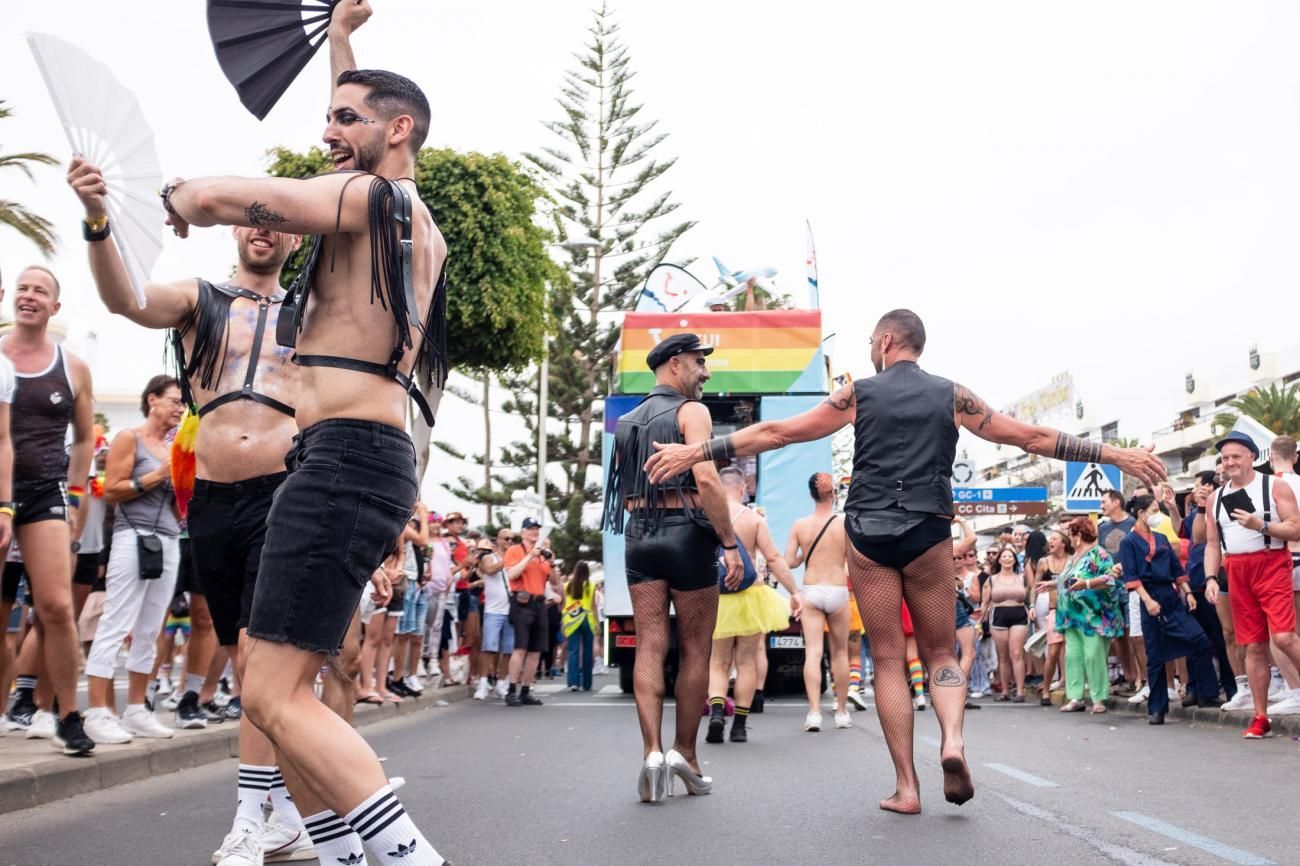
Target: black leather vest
905,443
653,420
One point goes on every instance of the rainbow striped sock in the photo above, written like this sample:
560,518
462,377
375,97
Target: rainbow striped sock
916,674
855,675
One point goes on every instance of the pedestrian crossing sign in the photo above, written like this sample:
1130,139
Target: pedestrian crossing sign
1085,482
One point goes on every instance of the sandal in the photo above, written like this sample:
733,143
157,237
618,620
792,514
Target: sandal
372,698
1018,699
1098,709
1002,699
1072,707
1045,702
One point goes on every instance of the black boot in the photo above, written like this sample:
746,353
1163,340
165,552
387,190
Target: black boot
739,729
717,723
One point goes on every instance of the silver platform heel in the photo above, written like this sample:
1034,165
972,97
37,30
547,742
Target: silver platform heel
680,769
652,784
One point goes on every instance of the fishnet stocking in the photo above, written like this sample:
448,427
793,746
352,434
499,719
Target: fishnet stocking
697,613
927,585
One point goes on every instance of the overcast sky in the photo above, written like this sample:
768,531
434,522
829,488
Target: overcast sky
1105,188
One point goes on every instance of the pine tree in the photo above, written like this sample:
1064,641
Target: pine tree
601,177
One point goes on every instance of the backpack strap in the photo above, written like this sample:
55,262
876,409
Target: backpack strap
808,559
1218,513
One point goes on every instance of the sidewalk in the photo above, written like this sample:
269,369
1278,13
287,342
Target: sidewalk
1233,722
32,773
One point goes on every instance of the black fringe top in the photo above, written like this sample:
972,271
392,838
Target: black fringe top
653,420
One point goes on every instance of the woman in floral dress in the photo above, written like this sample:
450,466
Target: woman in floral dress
1088,613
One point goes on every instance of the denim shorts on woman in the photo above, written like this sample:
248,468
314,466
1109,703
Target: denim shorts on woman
414,609
350,490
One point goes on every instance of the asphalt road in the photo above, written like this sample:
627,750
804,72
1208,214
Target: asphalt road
556,784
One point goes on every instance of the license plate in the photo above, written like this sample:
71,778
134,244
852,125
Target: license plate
625,640
787,641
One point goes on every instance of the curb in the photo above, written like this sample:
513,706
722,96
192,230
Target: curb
1236,720
62,777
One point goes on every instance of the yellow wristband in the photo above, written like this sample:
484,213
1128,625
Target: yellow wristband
7,510
96,225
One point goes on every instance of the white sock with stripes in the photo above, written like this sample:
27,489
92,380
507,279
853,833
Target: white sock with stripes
254,787
334,840
389,832
282,803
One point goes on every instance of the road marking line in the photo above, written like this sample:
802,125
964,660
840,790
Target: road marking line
1187,837
1118,853
1027,778
610,691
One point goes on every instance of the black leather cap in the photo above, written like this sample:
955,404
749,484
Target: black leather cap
675,345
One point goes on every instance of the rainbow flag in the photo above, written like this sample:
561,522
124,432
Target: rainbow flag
768,352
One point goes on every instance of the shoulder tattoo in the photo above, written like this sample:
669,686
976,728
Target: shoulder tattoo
260,216
966,403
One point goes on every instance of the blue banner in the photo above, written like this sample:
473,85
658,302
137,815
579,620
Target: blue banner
999,494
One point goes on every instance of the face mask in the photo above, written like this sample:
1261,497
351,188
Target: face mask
1153,521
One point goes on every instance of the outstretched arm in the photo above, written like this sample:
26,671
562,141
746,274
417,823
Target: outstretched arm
972,413
347,17
307,207
817,423
696,426
167,305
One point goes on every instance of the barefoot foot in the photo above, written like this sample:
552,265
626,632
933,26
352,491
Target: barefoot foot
903,803
957,784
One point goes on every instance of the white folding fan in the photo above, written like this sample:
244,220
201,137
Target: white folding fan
105,125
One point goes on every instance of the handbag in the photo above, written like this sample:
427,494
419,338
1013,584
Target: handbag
148,546
746,580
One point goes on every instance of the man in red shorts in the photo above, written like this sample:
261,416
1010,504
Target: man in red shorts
1248,522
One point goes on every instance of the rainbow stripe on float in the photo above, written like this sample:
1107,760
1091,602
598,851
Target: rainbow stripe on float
769,352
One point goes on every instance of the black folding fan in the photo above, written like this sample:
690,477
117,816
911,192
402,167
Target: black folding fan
262,45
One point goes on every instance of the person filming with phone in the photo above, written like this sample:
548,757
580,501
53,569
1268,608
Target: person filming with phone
528,569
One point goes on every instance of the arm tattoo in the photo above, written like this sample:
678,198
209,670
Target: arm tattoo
1074,449
841,399
966,403
260,216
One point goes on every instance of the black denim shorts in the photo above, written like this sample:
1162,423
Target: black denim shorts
682,552
350,491
227,524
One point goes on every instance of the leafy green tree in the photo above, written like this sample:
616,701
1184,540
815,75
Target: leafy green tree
1276,407
497,266
602,174
36,229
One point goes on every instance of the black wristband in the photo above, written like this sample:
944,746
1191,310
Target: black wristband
725,547
91,235
1200,509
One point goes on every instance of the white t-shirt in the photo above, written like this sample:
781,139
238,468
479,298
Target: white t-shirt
439,567
1237,538
8,380
496,593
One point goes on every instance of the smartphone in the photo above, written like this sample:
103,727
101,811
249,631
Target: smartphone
1238,500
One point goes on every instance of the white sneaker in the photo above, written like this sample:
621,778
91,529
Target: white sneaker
106,730
173,701
1277,689
43,726
240,848
414,685
1173,695
1288,706
812,722
843,720
976,695
1140,695
502,689
481,693
919,702
165,686
142,723
867,691
280,843
856,699
1242,700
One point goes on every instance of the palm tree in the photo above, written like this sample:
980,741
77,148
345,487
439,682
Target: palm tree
1277,408
36,229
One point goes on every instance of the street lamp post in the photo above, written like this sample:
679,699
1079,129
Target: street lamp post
575,244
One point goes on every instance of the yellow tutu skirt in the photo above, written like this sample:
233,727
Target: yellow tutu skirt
757,610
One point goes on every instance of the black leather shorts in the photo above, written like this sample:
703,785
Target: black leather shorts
681,552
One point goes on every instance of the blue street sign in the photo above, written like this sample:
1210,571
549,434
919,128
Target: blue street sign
999,494
1085,482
